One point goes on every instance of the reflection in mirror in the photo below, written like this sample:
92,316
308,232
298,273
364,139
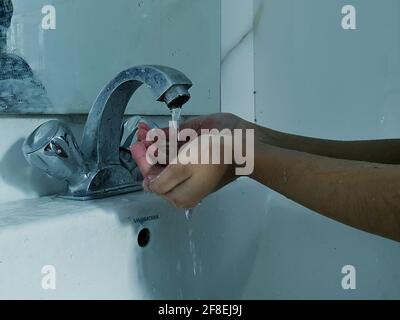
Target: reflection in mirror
20,90
57,61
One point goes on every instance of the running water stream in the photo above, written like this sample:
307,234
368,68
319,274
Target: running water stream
176,117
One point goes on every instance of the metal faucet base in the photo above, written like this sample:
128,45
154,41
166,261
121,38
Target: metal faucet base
102,166
101,194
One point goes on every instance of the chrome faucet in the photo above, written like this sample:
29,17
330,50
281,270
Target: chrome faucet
95,170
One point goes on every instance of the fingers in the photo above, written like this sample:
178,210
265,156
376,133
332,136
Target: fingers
171,177
154,172
138,152
187,195
148,153
143,129
143,148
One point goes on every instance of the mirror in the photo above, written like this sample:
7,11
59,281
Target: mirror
56,58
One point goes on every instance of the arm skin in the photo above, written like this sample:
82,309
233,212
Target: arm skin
354,182
378,151
363,195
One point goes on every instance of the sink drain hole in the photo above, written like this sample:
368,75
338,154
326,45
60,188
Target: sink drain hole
143,238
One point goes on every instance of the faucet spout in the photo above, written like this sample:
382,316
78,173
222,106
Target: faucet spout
102,133
95,170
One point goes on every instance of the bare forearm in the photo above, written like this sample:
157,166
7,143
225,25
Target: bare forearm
377,151
360,194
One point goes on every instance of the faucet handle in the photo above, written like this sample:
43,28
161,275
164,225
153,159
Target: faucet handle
53,149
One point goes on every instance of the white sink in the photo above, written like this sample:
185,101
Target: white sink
93,246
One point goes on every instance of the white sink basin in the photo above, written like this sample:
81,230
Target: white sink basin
93,246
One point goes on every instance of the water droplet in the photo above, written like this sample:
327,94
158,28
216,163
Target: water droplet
188,214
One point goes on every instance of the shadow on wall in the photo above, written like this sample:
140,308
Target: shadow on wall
16,171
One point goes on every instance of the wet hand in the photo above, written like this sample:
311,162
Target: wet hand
186,184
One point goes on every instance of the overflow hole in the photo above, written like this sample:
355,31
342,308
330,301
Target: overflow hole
143,238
